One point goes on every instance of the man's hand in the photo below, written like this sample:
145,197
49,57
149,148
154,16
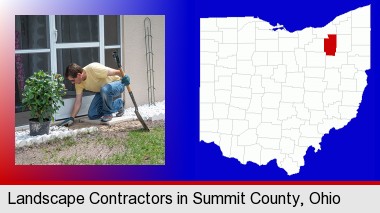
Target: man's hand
126,80
67,122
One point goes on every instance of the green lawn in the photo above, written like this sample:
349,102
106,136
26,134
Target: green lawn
142,148
136,147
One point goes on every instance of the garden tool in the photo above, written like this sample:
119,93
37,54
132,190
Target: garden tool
117,59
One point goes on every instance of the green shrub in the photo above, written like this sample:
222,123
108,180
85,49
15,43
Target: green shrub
43,95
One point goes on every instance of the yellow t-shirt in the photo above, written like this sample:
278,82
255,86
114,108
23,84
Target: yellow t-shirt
96,78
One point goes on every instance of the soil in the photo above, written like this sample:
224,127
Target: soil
84,146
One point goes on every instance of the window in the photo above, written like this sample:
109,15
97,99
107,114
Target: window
50,43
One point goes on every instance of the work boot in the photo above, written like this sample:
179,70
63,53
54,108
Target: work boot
120,112
106,118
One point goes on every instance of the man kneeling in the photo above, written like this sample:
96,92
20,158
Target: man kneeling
106,82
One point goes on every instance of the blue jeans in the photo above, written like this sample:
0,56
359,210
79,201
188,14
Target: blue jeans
103,103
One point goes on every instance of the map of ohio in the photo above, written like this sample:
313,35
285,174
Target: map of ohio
267,93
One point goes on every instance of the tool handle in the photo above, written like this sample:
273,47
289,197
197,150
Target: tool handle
115,55
129,89
122,72
133,98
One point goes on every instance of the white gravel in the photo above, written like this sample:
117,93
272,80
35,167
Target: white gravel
154,112
24,139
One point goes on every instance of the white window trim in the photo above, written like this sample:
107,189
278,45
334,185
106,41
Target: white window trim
112,47
101,40
53,40
32,51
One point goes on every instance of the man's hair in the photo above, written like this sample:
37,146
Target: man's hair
72,70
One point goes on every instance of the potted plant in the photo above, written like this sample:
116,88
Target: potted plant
43,96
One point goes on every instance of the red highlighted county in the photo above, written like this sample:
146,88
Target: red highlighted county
330,44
